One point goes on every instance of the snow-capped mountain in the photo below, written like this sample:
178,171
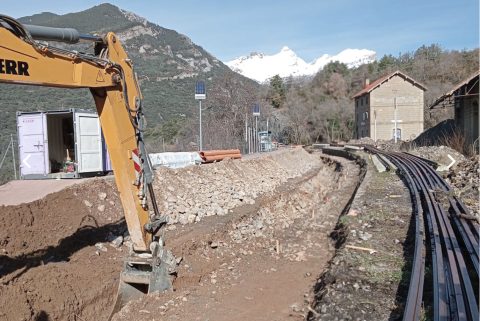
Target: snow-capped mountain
286,63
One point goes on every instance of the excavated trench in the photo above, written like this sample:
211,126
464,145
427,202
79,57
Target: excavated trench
56,261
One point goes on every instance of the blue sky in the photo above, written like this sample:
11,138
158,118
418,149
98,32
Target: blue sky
229,29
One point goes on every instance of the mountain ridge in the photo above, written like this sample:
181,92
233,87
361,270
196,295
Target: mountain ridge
167,62
260,67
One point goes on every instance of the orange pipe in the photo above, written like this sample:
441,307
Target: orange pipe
219,152
218,155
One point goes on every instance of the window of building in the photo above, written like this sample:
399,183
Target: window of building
366,98
366,115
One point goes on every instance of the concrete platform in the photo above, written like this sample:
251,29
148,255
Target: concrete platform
378,164
26,191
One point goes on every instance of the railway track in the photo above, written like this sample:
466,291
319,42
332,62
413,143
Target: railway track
446,250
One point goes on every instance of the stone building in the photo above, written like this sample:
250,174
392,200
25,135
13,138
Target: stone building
464,99
393,101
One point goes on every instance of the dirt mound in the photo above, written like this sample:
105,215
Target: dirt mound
49,267
218,188
437,134
259,262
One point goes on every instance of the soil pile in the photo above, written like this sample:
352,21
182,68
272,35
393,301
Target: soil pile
437,134
50,268
187,195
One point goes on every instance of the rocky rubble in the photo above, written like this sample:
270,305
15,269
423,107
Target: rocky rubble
387,145
297,209
214,189
464,178
265,254
362,141
438,154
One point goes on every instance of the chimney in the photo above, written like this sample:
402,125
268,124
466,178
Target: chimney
367,82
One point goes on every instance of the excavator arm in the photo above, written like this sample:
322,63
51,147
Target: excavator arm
110,76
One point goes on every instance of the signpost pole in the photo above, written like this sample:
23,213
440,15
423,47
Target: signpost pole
256,134
200,121
200,94
256,113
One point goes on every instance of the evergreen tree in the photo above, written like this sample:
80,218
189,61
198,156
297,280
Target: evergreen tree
277,92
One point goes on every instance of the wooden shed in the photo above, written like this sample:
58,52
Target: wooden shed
464,98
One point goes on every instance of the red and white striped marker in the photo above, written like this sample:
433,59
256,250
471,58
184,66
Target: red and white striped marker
137,164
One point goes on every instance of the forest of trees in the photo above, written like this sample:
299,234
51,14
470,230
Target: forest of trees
321,109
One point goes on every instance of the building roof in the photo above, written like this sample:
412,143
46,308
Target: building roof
385,78
454,89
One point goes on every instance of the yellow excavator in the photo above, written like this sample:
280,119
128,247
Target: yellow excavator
27,58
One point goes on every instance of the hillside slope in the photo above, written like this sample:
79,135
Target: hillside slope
167,62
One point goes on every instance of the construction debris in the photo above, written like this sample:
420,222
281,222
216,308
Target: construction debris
221,187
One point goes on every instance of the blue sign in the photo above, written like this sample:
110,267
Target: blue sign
200,87
256,110
200,90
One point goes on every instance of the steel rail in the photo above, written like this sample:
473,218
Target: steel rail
453,243
460,281
468,230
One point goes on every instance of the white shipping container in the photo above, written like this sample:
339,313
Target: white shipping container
61,144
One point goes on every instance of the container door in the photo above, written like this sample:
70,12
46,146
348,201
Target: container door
89,154
107,164
33,144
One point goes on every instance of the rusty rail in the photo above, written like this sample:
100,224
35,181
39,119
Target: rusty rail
451,240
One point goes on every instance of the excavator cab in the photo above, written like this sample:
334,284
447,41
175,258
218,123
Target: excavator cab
26,58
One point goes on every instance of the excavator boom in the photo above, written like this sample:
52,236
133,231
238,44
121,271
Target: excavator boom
110,76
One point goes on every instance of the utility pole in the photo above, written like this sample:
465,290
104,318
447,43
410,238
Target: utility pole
269,139
200,122
256,134
250,143
200,94
13,156
256,113
246,133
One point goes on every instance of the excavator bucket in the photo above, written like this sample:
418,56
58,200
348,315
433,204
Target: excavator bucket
144,273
